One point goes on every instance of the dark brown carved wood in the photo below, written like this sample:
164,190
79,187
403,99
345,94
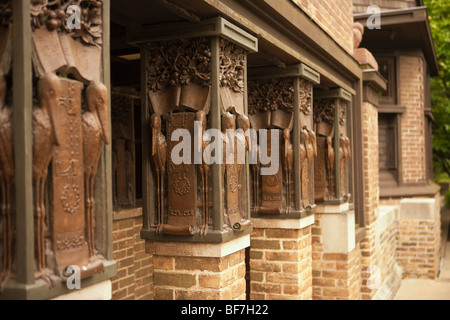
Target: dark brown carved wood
271,105
182,188
6,182
47,133
288,164
74,164
204,169
307,156
320,172
158,157
53,15
330,165
232,172
345,156
179,75
324,173
232,66
123,152
95,128
271,188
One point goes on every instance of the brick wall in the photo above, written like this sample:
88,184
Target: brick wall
371,194
200,278
336,276
280,264
370,167
360,6
336,20
411,94
135,267
418,244
418,249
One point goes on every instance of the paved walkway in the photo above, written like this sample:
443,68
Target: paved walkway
438,289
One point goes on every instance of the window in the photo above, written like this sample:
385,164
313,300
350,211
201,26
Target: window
388,148
387,68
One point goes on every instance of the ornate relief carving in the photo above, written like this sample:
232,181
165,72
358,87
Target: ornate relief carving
305,96
344,156
271,102
179,62
308,151
271,95
204,169
232,66
6,183
178,77
324,111
70,240
95,126
123,153
272,185
70,198
181,194
47,132
325,171
342,112
232,175
158,157
53,15
330,165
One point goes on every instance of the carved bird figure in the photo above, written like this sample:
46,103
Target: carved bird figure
6,182
95,134
243,123
204,169
159,157
288,161
306,161
330,162
46,135
255,171
313,140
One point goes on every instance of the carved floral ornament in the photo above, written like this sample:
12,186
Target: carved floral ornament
179,63
324,110
271,95
305,96
232,66
54,15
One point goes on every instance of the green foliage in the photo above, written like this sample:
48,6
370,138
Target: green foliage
447,199
439,15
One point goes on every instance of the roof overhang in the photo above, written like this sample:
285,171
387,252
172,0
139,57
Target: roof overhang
401,30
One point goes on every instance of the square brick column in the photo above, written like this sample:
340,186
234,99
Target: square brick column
280,259
199,271
336,258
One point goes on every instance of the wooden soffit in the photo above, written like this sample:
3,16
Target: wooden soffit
402,30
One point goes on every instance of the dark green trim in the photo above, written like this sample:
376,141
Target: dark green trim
339,93
296,70
217,27
213,236
23,141
41,290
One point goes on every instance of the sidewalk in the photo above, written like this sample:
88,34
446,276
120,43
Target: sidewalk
438,289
